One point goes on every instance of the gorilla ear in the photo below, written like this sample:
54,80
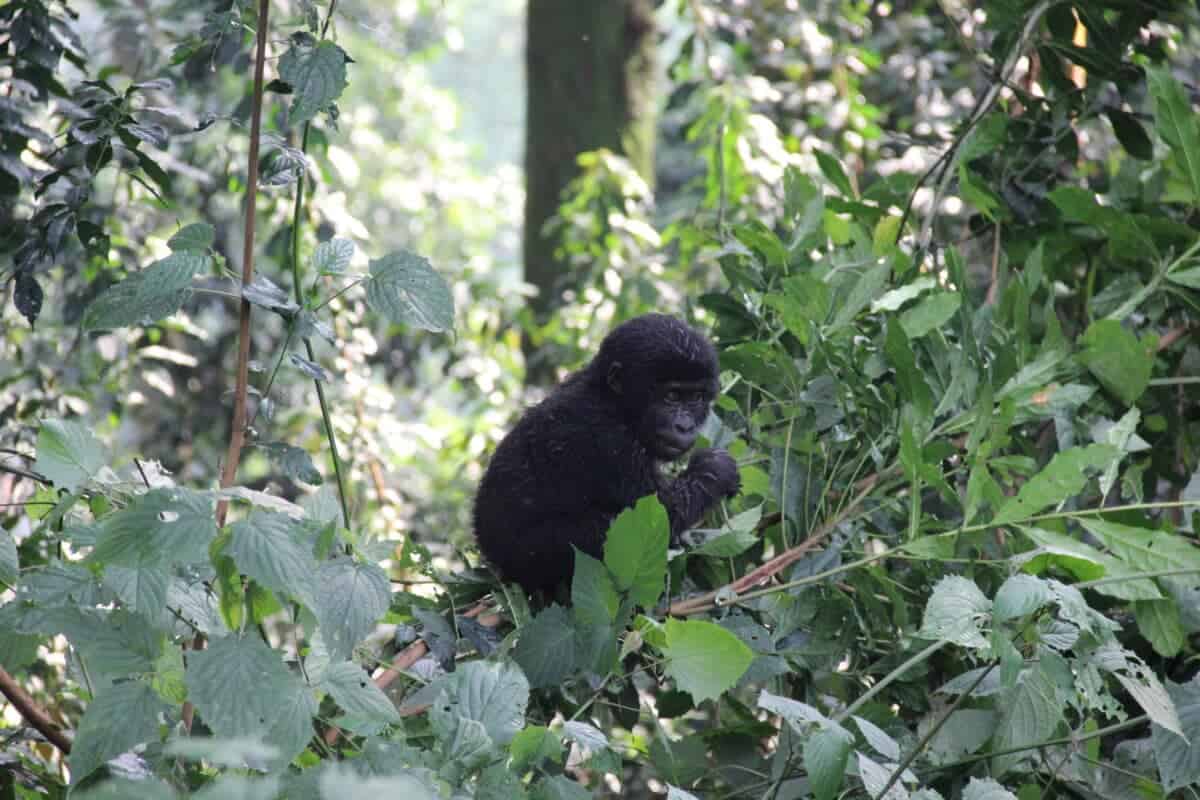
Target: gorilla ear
614,377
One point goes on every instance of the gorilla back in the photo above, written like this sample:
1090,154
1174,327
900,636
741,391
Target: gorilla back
594,447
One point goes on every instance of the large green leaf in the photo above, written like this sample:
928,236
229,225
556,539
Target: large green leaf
826,754
1118,360
120,718
1064,477
354,691
351,599
275,550
704,658
1030,712
163,526
1178,124
241,687
317,76
146,296
68,453
495,695
546,650
956,612
635,550
1178,756
405,288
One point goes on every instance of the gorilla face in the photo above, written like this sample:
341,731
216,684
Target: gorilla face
673,416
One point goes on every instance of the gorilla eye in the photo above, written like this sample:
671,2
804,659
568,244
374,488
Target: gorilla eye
674,396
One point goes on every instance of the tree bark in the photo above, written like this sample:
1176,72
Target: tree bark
590,79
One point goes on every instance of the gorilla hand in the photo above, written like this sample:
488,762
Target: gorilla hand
716,471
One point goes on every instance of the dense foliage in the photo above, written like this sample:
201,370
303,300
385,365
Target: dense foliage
951,258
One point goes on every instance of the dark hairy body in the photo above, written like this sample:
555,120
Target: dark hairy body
596,445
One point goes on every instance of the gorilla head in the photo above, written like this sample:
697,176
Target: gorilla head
593,448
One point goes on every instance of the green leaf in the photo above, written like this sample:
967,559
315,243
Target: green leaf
831,168
546,649
10,567
908,377
163,526
68,453
956,612
493,694
141,589
704,658
405,289
317,76
120,718
1142,548
293,461
1178,756
1086,563
1131,134
986,789
1064,477
275,550
892,300
595,605
241,687
533,745
197,236
1030,712
333,257
353,690
866,288
635,550
352,598
1020,596
147,296
1186,277
679,761
559,787
1178,125
826,755
1160,623
962,735
1118,360
930,314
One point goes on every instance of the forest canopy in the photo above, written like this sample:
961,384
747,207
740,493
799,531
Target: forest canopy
276,278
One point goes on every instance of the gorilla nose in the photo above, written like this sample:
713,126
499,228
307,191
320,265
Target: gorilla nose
684,428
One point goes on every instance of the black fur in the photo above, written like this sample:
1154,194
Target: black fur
593,447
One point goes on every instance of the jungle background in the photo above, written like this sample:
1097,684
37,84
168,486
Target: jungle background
277,276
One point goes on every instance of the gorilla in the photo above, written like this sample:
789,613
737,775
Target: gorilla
594,447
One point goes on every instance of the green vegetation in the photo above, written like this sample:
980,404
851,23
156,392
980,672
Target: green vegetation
264,320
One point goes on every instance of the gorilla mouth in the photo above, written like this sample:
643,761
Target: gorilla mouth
672,447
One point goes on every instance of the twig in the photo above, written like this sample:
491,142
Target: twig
24,473
777,564
34,714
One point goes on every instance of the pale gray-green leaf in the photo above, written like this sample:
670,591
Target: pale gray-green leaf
352,598
493,694
956,612
120,718
1018,596
333,257
163,526
68,453
546,649
10,567
406,290
1178,756
197,236
275,550
353,690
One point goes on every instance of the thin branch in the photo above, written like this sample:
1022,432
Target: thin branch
34,714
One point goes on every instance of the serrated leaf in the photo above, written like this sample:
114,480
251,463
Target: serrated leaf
147,296
333,257
1062,478
704,658
197,236
986,789
1030,713
546,649
241,687
1119,361
1019,596
294,462
1177,756
635,550
120,718
956,612
353,597
163,526
317,76
354,691
68,453
141,589
10,568
493,694
406,290
1160,622
1177,124
962,735
275,550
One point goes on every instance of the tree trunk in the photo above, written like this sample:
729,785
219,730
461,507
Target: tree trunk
590,77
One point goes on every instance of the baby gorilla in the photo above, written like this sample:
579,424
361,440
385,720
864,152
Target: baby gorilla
593,447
